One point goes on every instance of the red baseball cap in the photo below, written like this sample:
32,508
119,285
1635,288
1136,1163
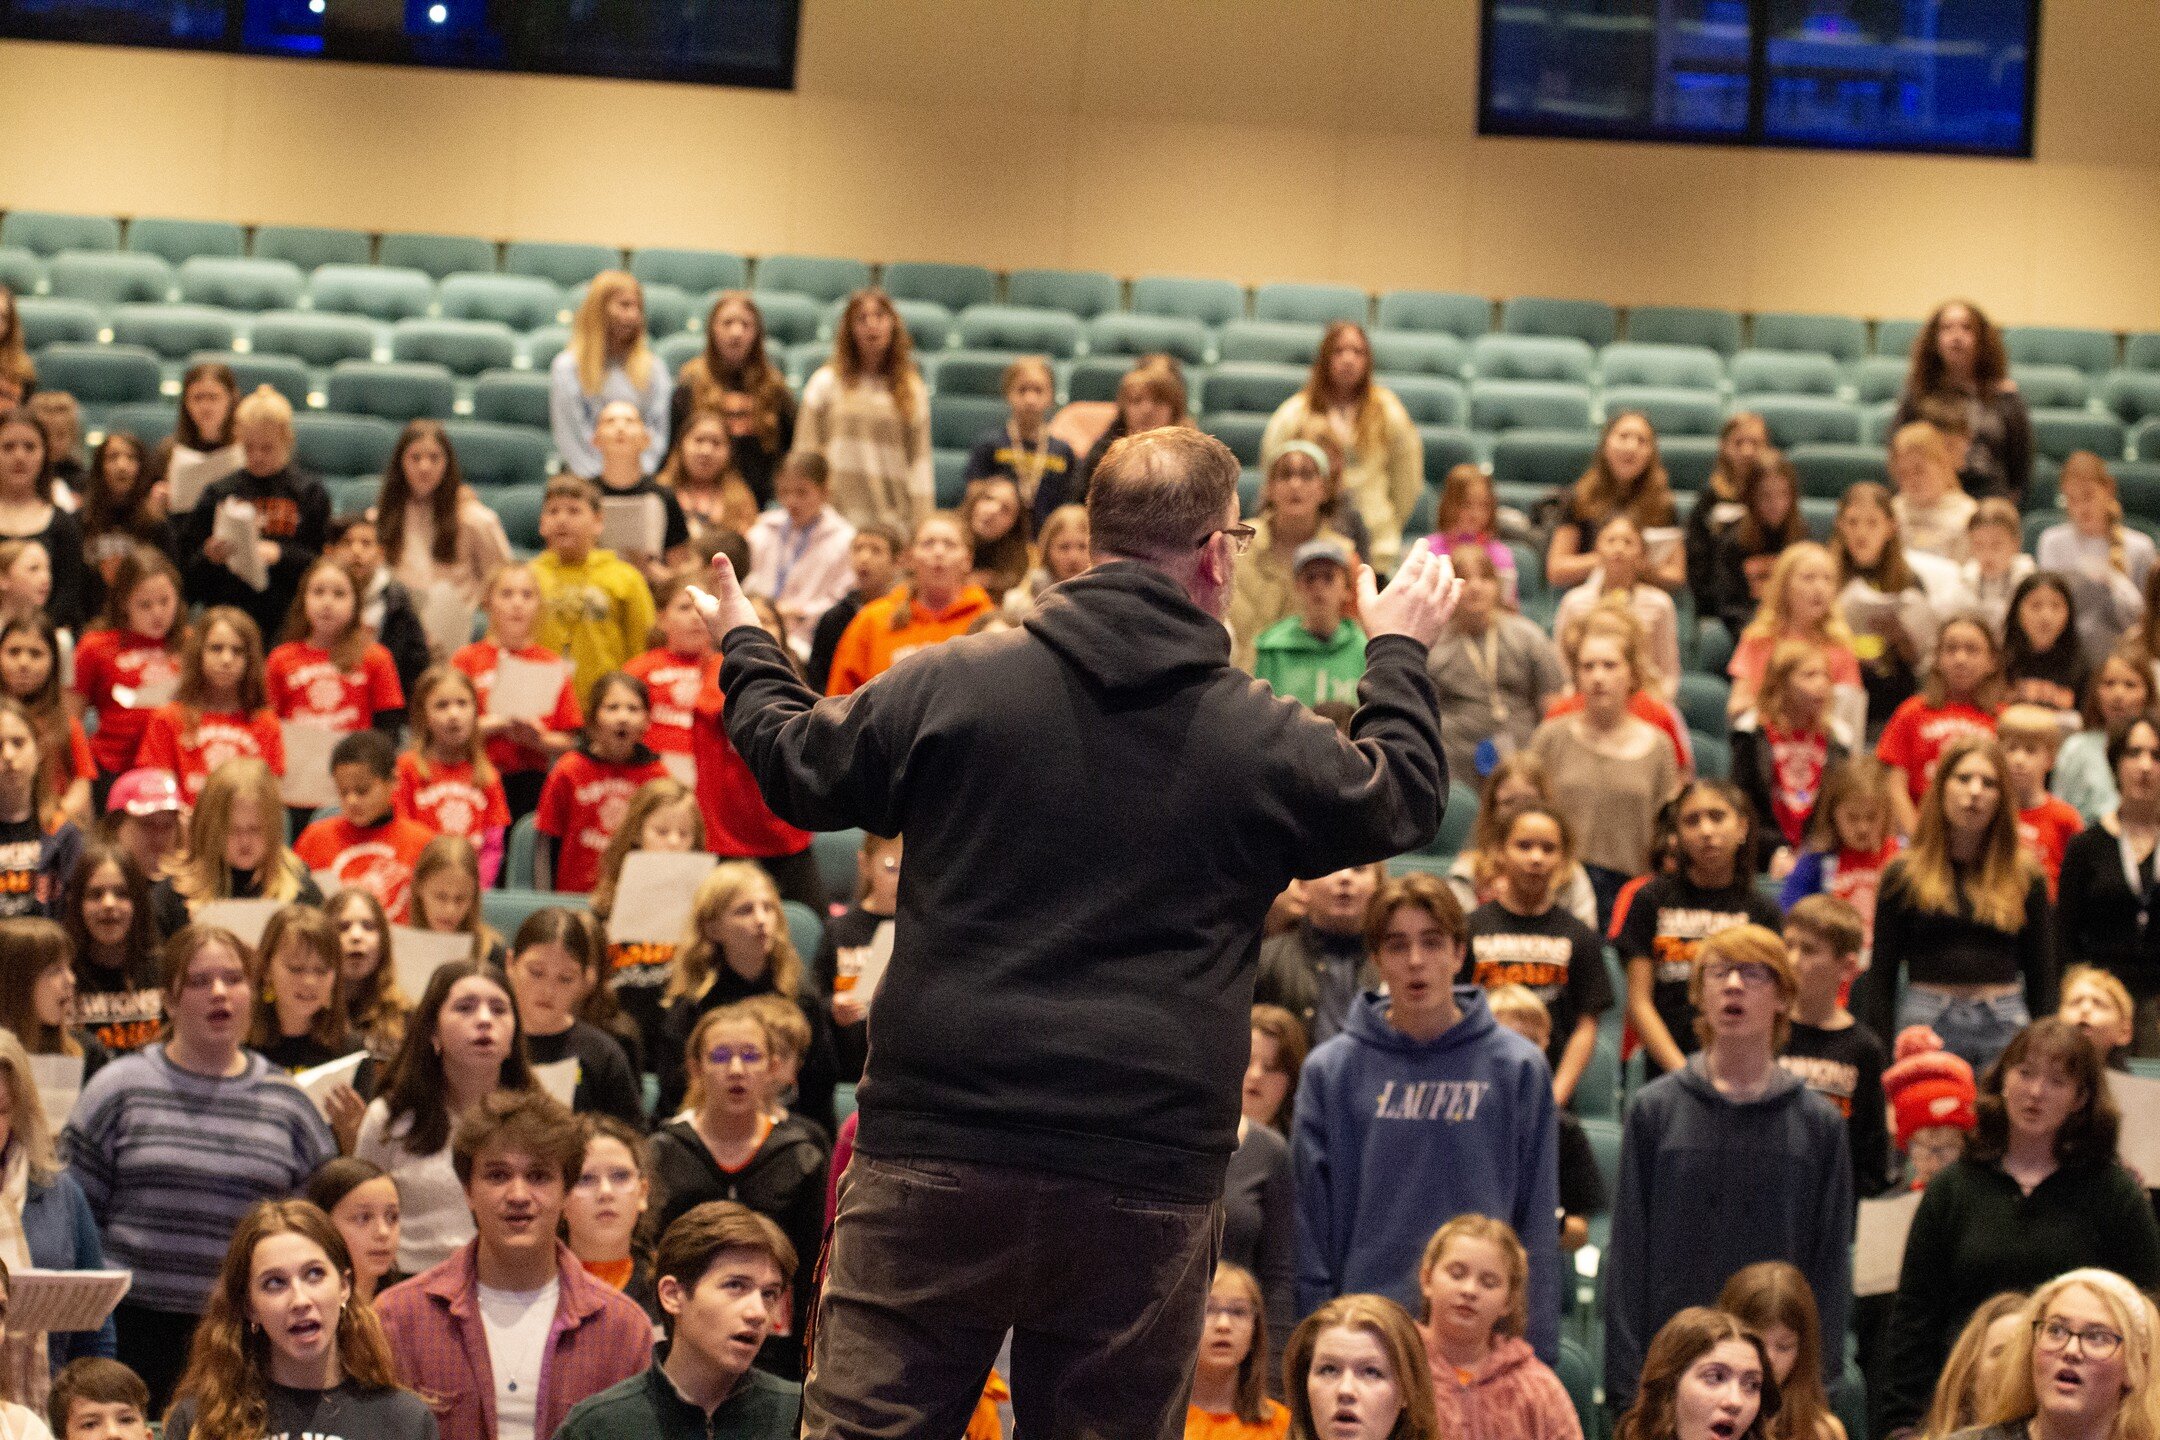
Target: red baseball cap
144,792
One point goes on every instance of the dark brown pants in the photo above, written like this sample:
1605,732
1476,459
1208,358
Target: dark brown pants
932,1261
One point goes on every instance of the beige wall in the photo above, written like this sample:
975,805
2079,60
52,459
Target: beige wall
1256,139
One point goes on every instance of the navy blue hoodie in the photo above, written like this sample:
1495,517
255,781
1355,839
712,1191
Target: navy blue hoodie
1395,1137
1709,1185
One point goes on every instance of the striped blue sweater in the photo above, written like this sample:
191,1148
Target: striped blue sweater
170,1160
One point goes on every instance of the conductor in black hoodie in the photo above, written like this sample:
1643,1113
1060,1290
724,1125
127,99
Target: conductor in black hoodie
1098,811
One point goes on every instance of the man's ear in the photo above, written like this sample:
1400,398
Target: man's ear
671,1295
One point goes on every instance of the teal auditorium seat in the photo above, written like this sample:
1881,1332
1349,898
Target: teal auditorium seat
1716,330
834,851
106,279
1018,328
1688,460
310,246
519,508
2132,395
1896,337
953,286
1827,471
1445,448
510,398
175,331
1876,422
523,845
99,376
694,272
182,240
1803,419
1702,702
1096,377
1431,400
1547,459
1241,431
957,420
1412,352
1311,304
47,233
804,927
544,344
49,319
351,494
1779,372
463,347
929,324
948,476
147,420
1579,1379
1279,342
1669,367
437,255
393,390
821,277
790,319
506,910
1081,293
1211,302
1876,377
1532,357
970,372
1464,316
1591,321
1713,754
1121,333
565,264
2089,351
668,310
319,340
240,284
2142,352
2146,437
331,444
1670,412
281,373
380,292
1529,405
1456,822
21,271
677,349
496,456
1839,336
2057,433
522,302
2053,387
1253,387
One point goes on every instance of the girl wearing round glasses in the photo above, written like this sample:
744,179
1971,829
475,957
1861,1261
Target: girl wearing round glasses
2080,1368
2038,1192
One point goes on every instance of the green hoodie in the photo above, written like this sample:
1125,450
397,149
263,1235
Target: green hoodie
1303,666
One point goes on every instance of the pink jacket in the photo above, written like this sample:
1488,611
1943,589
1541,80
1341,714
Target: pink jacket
440,1344
1512,1396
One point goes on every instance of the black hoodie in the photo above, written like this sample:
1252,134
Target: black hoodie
1098,811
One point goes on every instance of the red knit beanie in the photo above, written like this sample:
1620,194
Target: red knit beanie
1928,1086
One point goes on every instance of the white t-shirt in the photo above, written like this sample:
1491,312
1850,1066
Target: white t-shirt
518,1323
436,1221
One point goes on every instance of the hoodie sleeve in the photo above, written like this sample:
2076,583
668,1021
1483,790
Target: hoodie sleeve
1382,793
819,766
1829,1268
1627,1258
1537,1209
1319,1256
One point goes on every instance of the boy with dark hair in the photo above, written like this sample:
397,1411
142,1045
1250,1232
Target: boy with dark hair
1422,1109
98,1399
720,1270
874,554
386,606
366,845
595,608
511,1331
1833,1054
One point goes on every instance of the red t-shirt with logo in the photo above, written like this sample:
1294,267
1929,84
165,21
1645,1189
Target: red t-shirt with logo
1918,733
448,799
115,674
218,736
582,803
674,681
378,859
2045,832
737,821
306,684
478,660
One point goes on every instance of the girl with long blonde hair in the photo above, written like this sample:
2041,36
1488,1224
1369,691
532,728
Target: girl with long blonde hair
2114,1326
1975,1367
607,359
868,413
1383,469
235,848
1799,602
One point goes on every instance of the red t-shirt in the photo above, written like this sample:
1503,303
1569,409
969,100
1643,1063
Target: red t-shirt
447,799
582,802
737,821
478,660
1918,733
2045,831
116,674
219,736
379,859
1646,707
76,763
305,683
674,680
1797,760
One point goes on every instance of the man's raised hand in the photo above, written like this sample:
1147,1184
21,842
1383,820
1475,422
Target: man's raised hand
725,607
1417,601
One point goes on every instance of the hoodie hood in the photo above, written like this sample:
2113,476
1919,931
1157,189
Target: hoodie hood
1128,626
1509,1354
1369,1023
1696,1077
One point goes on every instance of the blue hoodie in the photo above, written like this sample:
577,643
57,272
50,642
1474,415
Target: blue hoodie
1395,1137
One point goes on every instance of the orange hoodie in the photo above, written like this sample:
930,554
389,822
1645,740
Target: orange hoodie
871,644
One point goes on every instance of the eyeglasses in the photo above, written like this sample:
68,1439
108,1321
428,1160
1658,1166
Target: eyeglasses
725,1055
1241,538
2097,1342
1236,1310
1754,972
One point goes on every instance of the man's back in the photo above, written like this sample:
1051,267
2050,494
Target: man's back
1098,812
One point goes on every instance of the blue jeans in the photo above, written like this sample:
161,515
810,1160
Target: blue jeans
1975,1030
